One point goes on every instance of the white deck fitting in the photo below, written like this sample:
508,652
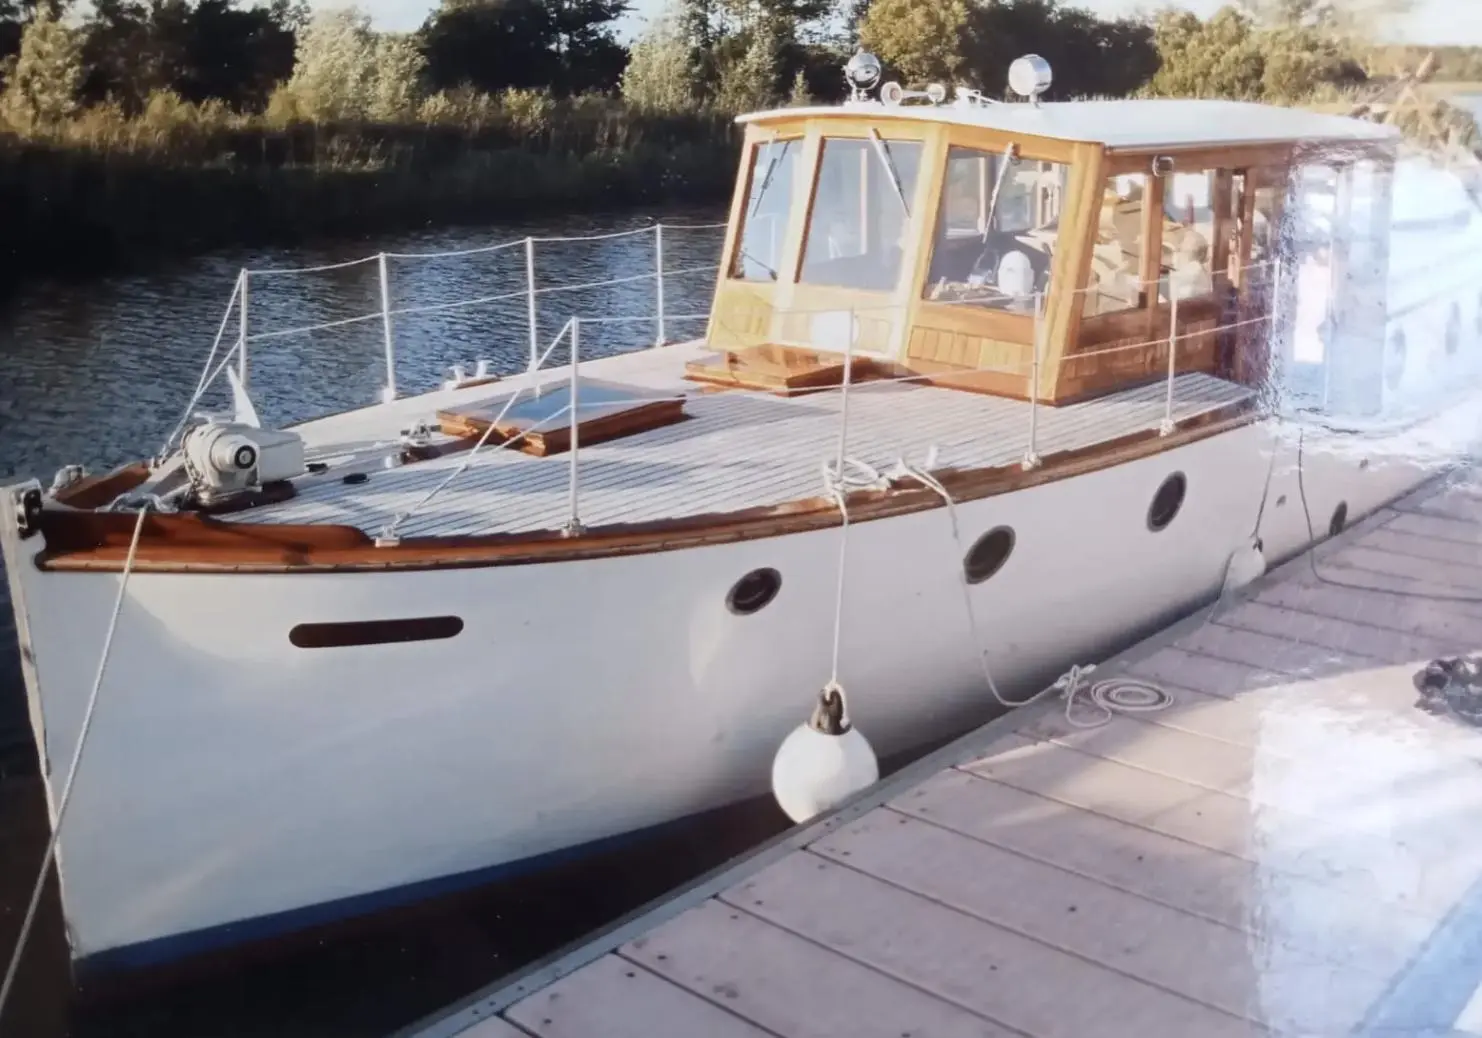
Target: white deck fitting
737,450
1291,849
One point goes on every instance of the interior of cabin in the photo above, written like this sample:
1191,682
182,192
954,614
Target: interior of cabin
992,262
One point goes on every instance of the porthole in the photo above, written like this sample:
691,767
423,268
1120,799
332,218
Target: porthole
988,554
754,591
1394,366
1167,501
1453,330
1339,520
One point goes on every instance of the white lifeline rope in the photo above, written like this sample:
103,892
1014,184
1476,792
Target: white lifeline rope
87,723
1109,696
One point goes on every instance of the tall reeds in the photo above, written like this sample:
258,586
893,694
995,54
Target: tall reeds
99,187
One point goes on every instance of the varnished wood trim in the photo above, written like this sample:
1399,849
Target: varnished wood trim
350,633
1030,147
905,127
1093,183
97,491
595,428
1222,199
90,541
1152,246
1193,160
977,321
1079,215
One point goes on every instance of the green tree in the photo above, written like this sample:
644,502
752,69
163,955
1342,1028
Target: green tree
344,71
200,50
1090,57
1220,57
41,90
660,75
565,46
749,82
921,41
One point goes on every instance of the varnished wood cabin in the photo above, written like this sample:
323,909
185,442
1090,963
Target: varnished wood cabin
930,232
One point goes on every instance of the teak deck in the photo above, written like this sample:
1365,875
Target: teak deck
1290,849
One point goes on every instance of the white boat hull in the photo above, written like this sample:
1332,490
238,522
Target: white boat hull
230,776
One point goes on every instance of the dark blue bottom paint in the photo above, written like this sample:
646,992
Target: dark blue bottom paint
1431,991
163,951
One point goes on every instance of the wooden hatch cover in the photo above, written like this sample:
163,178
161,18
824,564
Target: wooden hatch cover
542,422
784,370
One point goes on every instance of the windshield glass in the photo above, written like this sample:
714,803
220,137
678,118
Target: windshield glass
860,215
759,245
996,229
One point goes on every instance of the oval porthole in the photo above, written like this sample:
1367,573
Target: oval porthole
1453,330
1167,502
988,554
754,591
1394,367
1339,520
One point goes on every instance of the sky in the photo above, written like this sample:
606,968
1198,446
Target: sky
1434,21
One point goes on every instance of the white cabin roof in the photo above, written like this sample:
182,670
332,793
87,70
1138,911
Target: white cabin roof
1128,124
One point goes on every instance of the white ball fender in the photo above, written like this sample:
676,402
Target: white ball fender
1246,565
816,770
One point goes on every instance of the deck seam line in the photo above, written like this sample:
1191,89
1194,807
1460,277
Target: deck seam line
1442,596
1147,827
617,953
1418,509
1041,941
1304,675
1398,553
1180,909
845,954
1066,869
1359,656
1473,590
1474,543
1345,620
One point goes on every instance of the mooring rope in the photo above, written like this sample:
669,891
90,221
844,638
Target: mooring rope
87,723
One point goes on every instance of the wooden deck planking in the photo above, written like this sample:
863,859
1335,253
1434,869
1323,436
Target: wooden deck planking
736,450
1276,853
620,999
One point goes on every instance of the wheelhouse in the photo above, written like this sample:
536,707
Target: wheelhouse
1046,251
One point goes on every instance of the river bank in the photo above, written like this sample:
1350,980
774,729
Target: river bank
101,198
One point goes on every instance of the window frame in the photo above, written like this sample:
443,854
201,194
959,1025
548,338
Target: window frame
986,148
912,193
800,157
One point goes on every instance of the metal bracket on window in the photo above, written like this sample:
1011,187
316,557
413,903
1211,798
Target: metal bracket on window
1162,165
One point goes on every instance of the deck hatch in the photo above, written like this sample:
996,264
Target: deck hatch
541,420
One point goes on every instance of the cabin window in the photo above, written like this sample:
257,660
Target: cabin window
1188,236
996,230
1116,261
860,219
764,220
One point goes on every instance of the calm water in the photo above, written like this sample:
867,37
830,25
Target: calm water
100,373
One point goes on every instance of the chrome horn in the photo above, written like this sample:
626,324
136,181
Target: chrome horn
894,94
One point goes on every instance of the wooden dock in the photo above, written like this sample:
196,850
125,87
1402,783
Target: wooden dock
1293,848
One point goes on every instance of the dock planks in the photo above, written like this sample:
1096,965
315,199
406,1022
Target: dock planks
1291,849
